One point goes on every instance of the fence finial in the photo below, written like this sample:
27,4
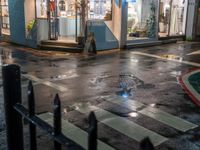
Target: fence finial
57,120
146,144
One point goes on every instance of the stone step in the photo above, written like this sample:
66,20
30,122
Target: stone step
149,43
61,48
60,43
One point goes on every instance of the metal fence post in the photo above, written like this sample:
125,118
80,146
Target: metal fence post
57,120
31,108
12,95
146,144
92,132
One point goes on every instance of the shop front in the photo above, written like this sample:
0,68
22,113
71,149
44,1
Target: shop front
65,20
155,19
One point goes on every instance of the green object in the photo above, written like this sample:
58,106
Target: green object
194,80
30,25
151,22
189,38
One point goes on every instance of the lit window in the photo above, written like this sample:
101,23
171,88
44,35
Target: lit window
5,24
100,9
41,6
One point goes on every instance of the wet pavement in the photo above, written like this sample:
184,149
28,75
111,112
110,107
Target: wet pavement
134,93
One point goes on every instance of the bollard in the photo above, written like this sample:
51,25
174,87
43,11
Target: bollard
12,95
57,120
92,132
31,108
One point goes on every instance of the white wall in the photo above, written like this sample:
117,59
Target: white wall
190,19
29,9
116,25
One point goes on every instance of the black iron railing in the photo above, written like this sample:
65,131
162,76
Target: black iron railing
15,112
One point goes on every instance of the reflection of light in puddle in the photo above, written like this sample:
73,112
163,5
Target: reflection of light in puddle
133,114
172,56
134,60
176,73
125,95
152,105
65,110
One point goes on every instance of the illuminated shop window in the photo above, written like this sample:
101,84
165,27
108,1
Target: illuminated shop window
141,23
100,9
41,6
65,8
5,24
172,17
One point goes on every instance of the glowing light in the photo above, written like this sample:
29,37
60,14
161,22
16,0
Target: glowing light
125,95
133,114
134,60
65,110
152,105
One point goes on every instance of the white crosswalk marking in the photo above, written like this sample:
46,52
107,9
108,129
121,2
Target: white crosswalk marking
48,83
168,59
168,119
159,115
121,124
74,133
194,53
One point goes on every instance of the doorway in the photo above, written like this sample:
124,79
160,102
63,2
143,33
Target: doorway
63,20
172,17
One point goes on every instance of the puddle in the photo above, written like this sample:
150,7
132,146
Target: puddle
129,83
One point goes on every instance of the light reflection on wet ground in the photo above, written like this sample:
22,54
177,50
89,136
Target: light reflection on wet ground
148,80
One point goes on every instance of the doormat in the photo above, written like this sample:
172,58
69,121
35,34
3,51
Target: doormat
190,82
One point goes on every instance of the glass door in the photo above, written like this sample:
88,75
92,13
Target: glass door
178,17
52,19
164,17
172,17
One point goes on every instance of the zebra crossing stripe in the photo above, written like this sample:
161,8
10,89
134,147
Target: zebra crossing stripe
168,59
159,115
122,125
132,105
74,133
168,119
48,83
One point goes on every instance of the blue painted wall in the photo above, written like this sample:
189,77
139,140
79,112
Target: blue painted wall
17,21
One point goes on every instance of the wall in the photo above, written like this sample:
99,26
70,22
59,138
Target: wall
42,30
29,10
191,19
17,21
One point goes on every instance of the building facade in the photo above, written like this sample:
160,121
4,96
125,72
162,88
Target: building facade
115,23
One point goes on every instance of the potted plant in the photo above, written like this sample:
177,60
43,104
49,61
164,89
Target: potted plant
161,23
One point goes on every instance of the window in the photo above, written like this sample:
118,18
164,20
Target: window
5,24
141,23
172,17
41,6
100,9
